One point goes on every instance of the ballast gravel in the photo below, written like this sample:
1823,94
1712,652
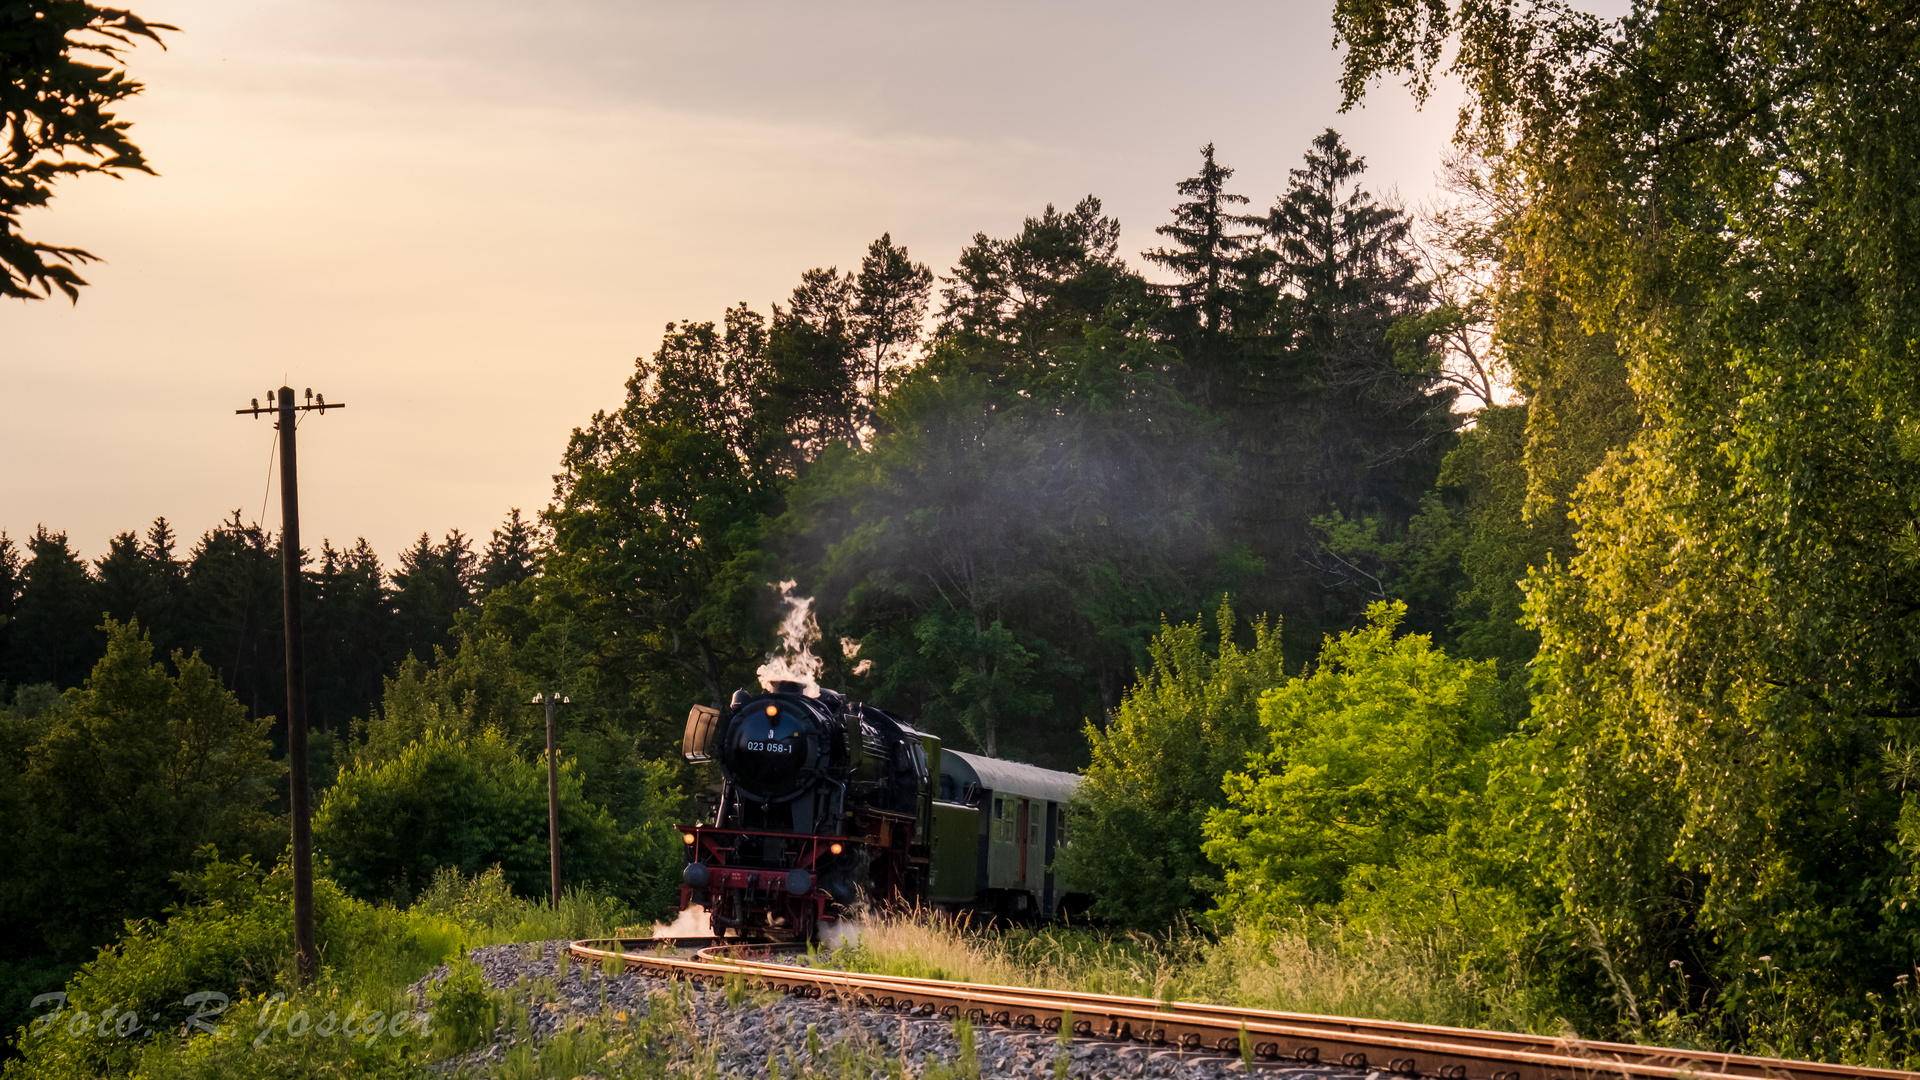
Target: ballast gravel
740,1039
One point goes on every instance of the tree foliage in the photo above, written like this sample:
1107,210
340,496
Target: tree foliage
657,515
1033,499
1158,768
386,829
1720,193
59,77
107,791
1370,761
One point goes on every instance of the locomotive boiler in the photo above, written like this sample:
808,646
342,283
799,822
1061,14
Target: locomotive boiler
824,803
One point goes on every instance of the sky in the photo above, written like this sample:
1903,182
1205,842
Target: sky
466,220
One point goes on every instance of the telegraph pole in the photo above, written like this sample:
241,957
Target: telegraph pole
298,794
553,792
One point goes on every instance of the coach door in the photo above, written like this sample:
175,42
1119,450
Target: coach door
1022,834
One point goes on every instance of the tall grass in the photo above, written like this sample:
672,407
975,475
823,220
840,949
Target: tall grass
1337,970
1320,969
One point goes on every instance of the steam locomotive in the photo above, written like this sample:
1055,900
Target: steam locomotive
826,804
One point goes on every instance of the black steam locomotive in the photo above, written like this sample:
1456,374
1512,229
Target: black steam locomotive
826,803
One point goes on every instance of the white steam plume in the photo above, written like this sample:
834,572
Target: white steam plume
840,933
693,922
852,649
794,660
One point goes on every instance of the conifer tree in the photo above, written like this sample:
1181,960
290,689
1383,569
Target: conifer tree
1010,300
140,581
230,609
890,301
513,555
352,638
1212,246
1311,405
433,585
809,396
53,635
11,579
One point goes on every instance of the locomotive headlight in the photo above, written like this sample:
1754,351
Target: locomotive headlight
686,838
835,848
773,710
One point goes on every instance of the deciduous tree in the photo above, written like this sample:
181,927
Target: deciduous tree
59,76
1159,767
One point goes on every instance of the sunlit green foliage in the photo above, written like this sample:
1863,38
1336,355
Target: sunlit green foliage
224,957
1157,771
1723,192
1373,765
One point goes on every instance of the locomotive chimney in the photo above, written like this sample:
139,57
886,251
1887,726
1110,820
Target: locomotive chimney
787,686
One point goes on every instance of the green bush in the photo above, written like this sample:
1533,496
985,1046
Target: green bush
487,905
464,1010
234,941
1376,767
1157,771
387,828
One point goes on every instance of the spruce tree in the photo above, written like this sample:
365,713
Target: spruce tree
139,581
435,583
352,637
1348,262
890,300
11,579
1312,408
54,637
230,609
513,555
1211,246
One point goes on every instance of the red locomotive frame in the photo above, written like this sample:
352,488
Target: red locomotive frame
751,899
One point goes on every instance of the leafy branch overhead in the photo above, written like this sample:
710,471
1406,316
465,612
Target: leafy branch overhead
60,75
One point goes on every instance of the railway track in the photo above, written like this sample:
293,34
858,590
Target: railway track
1273,1039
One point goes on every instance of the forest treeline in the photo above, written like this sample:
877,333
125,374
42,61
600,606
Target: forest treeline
221,598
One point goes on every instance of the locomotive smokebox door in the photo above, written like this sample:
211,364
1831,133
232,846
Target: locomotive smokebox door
775,748
697,744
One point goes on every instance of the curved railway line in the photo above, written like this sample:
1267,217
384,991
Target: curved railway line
1274,1039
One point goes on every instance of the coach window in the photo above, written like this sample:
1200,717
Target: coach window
997,812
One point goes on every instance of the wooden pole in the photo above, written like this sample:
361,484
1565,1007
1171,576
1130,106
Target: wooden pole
553,798
286,412
298,793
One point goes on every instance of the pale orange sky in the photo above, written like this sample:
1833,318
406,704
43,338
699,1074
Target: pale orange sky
466,219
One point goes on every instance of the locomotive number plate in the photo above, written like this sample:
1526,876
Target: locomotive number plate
770,747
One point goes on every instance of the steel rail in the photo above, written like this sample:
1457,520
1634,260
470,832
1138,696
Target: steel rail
1276,1038
1723,1063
